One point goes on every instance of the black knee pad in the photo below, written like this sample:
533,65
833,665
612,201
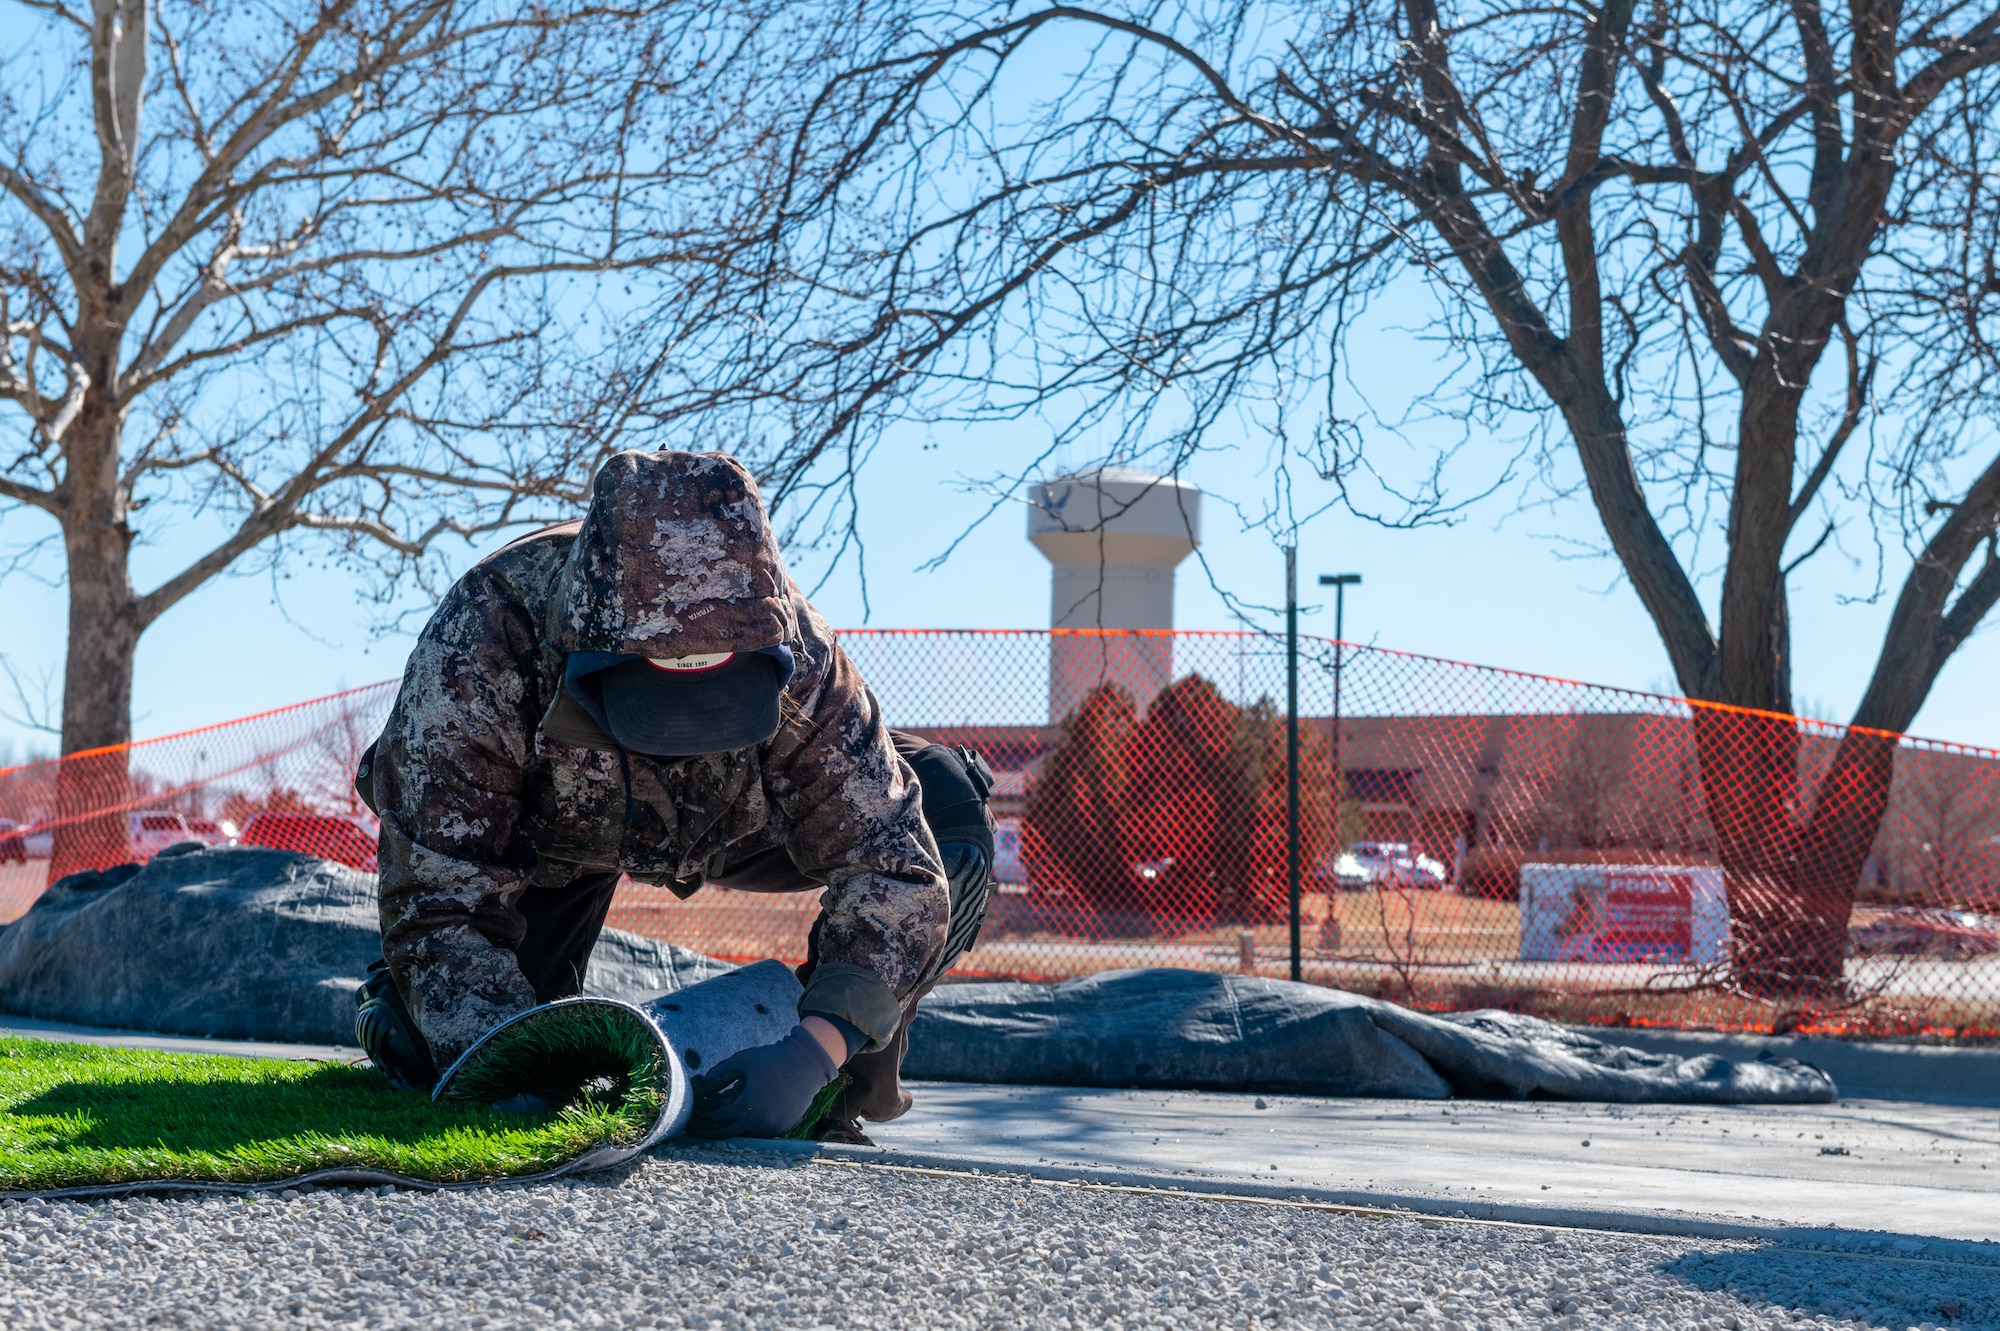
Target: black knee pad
956,783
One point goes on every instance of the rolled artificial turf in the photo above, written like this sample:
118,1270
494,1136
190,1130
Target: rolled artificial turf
557,1049
75,1115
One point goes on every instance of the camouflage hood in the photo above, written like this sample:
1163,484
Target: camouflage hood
675,557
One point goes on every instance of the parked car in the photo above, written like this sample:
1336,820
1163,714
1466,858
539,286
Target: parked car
1345,874
215,832
153,830
1387,864
1915,931
330,838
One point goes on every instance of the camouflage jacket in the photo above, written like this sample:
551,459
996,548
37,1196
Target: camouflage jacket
477,802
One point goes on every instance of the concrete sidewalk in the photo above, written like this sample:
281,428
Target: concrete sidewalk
1908,1169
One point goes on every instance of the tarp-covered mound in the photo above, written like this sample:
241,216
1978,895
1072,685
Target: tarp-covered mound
261,944
1198,1031
243,943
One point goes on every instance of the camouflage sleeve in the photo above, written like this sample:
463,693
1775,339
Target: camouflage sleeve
448,776
855,815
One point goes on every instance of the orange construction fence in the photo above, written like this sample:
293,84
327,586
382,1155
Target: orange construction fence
1467,837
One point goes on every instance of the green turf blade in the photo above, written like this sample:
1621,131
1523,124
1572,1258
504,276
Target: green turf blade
86,1115
590,1050
817,1111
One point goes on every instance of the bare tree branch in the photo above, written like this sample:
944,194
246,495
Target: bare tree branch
1926,626
379,275
1859,378
1641,228
29,495
55,223
36,710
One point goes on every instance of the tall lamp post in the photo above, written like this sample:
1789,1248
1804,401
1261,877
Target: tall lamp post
1340,582
1292,746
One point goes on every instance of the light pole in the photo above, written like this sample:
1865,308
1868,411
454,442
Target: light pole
1292,746
1340,582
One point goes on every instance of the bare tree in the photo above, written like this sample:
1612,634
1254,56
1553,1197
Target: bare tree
355,270
1729,269
1943,830
1584,803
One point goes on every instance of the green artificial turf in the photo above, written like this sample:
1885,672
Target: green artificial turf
817,1111
606,1047
74,1115
557,1050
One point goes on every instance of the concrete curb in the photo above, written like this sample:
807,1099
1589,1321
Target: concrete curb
1877,1244
1928,1074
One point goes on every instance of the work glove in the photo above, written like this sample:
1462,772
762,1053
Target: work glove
387,1034
761,1092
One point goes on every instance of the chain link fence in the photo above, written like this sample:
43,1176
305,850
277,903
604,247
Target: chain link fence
283,778
1468,837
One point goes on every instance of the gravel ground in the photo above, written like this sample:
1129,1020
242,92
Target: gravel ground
700,1242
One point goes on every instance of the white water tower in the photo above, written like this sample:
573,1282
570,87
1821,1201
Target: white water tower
1114,535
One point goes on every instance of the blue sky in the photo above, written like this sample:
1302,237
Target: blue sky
1510,583
1505,585
1500,587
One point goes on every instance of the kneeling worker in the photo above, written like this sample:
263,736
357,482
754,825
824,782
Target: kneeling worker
646,692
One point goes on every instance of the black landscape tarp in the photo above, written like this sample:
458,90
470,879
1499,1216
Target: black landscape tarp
241,943
1201,1031
268,945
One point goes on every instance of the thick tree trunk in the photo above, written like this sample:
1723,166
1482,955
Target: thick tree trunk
92,790
1749,775
1834,846
97,677
1790,891
1791,879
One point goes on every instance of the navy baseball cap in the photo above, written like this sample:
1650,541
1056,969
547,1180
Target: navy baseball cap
676,707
